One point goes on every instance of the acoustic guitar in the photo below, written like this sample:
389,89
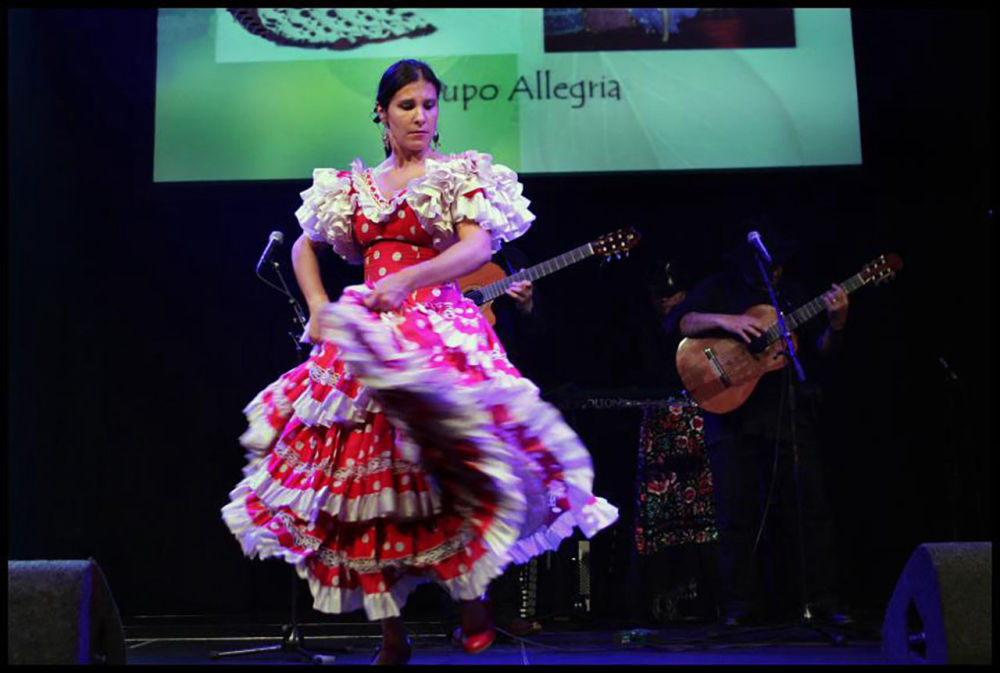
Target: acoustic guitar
488,282
721,372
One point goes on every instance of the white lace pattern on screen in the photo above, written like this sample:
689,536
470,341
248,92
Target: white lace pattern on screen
330,28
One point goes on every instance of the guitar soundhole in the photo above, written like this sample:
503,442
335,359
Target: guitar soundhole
757,345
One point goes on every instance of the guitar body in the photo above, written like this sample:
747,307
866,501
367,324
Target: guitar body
486,274
720,373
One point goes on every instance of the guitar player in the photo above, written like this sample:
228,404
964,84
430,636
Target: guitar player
749,447
520,323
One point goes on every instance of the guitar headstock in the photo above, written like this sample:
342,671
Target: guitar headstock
616,243
882,269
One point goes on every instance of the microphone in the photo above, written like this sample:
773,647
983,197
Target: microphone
952,376
753,238
274,240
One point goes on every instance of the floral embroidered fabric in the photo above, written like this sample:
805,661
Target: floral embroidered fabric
674,481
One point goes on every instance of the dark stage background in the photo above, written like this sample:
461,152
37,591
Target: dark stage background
137,330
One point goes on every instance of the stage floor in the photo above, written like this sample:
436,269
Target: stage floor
354,644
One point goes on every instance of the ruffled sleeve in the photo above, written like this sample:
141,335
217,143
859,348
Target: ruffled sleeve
326,212
470,187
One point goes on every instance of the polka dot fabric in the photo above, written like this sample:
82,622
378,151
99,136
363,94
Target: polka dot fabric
408,448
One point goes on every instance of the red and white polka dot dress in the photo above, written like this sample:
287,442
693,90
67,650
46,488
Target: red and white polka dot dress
408,449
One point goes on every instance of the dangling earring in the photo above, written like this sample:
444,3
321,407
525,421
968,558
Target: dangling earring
436,140
385,140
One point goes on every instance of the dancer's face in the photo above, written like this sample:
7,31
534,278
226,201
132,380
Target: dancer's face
412,117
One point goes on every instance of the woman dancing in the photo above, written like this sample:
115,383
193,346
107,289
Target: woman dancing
407,449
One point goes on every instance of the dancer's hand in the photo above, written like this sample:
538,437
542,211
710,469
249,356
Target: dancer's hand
390,292
312,333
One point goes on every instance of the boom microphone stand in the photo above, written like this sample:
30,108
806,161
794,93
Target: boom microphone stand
292,640
299,319
792,356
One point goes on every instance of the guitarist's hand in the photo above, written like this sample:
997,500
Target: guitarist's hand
746,327
835,301
520,292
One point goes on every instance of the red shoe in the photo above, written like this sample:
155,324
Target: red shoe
475,643
476,615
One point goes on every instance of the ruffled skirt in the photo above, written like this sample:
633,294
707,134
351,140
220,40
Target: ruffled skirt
407,449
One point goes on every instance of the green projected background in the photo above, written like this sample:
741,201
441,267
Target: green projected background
231,105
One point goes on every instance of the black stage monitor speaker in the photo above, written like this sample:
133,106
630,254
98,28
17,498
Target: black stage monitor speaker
941,610
61,612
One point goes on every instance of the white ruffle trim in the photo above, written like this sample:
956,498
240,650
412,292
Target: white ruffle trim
334,600
327,211
336,407
264,544
472,345
439,201
308,503
467,586
259,435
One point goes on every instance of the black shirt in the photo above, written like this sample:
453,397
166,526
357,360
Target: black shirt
522,335
656,340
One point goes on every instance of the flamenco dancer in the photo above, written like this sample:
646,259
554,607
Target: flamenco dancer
407,448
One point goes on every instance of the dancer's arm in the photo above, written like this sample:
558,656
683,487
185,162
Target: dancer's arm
306,265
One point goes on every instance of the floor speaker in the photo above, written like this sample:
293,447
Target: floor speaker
61,612
941,610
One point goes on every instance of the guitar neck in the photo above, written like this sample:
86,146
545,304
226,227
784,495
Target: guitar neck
810,309
494,290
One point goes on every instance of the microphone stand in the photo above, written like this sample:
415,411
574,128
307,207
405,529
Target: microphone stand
292,640
299,317
792,356
786,336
